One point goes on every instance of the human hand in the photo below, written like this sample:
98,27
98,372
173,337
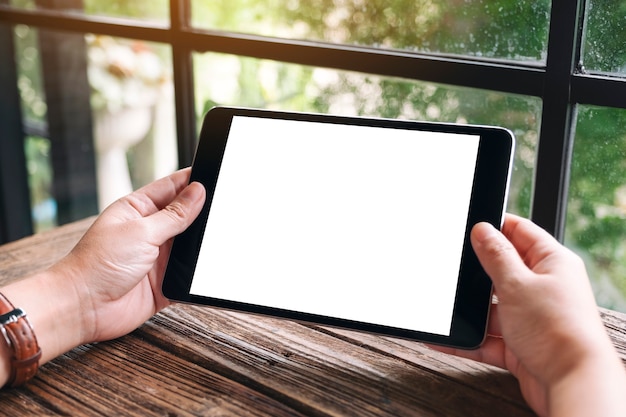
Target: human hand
545,328
117,267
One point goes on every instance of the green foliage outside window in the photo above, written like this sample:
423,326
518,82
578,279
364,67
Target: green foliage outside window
139,9
604,49
596,221
500,28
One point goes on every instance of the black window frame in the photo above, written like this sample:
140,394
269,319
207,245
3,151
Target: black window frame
561,83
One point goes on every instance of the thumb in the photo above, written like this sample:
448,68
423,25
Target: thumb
178,215
498,256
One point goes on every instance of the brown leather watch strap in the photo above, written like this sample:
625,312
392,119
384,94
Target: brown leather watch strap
20,337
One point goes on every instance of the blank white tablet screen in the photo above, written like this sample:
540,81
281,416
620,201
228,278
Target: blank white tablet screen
354,222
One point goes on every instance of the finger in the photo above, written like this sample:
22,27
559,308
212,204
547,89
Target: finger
498,256
158,194
176,216
531,241
491,352
493,325
172,185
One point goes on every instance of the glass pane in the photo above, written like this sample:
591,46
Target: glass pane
499,28
34,108
25,4
152,10
596,215
133,113
231,80
604,49
39,167
155,10
29,81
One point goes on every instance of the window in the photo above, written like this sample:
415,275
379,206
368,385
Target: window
553,72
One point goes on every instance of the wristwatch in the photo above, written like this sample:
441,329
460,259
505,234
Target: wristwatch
20,338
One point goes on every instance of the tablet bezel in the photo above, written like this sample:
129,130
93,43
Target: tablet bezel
488,202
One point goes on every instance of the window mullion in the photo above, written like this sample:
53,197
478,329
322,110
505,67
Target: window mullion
183,82
558,116
599,90
15,219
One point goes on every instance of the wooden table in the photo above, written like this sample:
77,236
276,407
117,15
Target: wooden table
191,360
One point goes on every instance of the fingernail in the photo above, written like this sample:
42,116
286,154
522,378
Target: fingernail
193,192
483,231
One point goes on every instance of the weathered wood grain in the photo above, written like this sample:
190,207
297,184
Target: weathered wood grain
26,256
192,361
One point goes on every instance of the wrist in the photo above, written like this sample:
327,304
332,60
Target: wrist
51,304
595,386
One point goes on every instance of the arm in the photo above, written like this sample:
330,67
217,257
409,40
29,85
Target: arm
546,328
110,283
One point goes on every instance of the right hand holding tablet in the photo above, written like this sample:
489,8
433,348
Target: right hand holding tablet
546,328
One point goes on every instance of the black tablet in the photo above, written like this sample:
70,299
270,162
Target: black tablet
353,222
